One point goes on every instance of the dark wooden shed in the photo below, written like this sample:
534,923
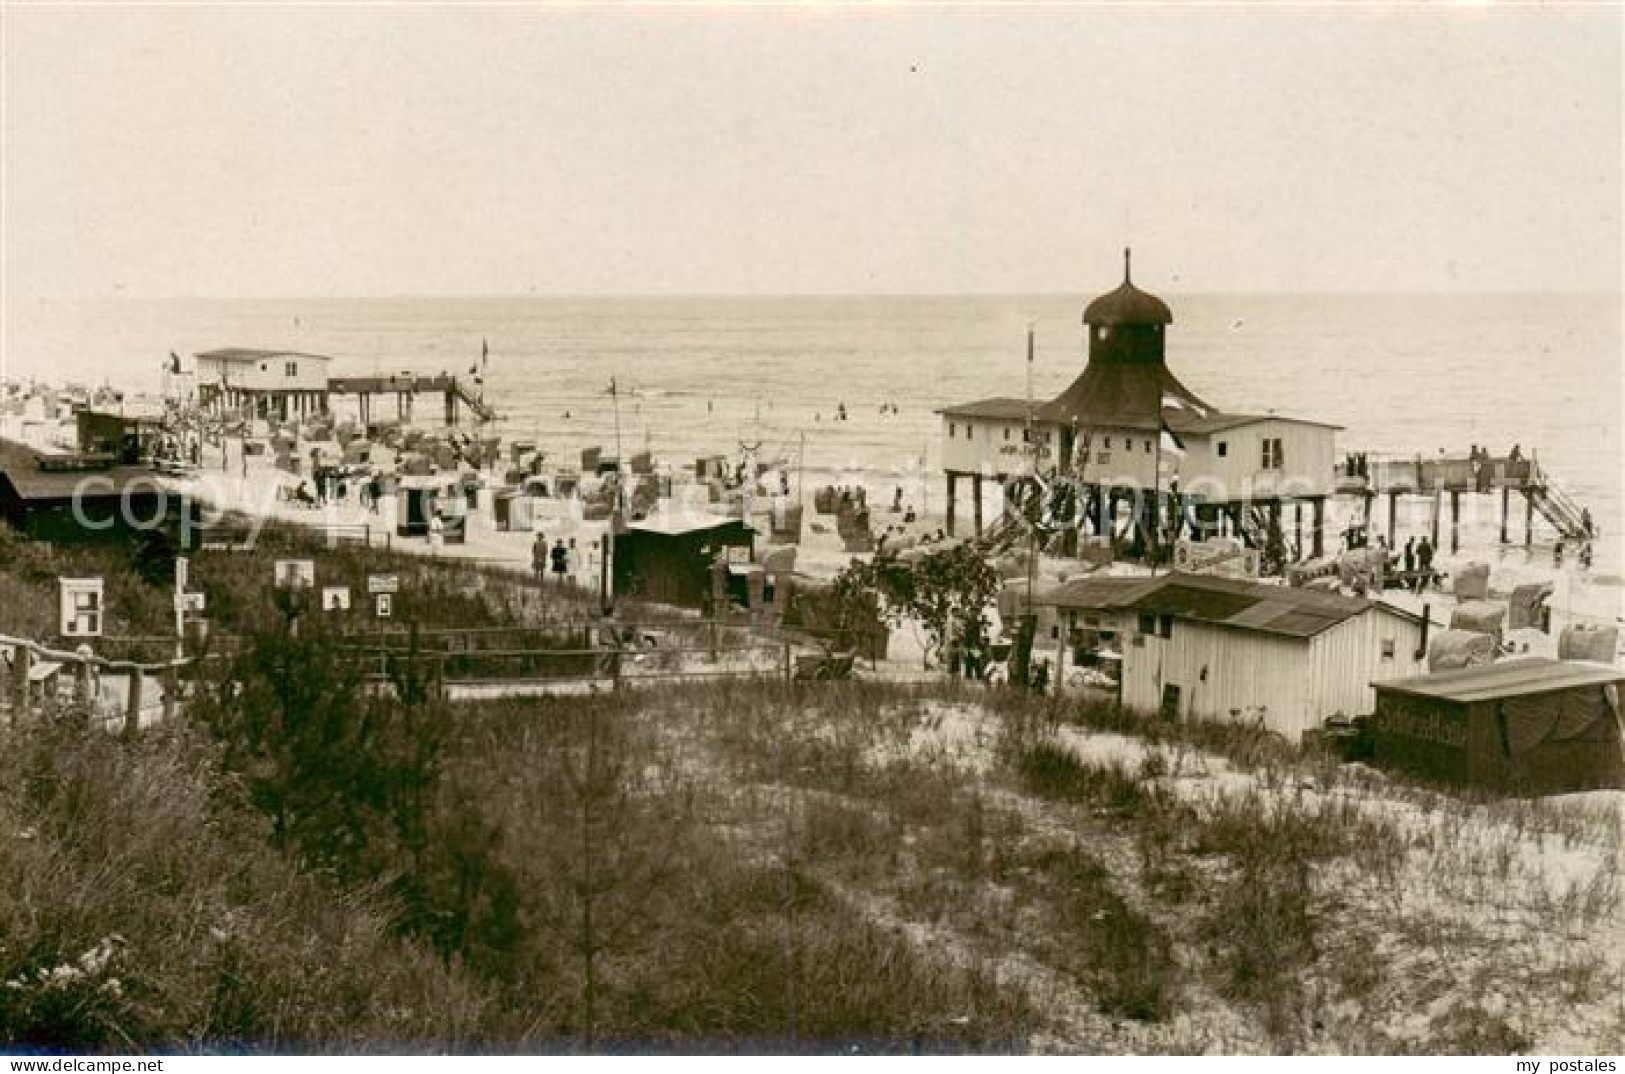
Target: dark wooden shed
668,560
1529,726
71,497
127,438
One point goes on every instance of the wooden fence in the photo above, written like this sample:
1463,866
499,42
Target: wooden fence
34,680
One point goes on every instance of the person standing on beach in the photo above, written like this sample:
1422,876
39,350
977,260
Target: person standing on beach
1424,563
560,560
538,555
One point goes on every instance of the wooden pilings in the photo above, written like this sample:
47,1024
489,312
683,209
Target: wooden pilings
976,503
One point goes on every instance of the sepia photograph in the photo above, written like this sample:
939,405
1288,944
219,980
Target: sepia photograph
944,529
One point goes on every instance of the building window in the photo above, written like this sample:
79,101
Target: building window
952,430
1148,447
1273,456
1007,433
1387,648
264,366
1106,443
1165,626
1148,623
1224,449
1103,333
290,369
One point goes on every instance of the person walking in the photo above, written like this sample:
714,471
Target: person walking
437,534
1424,561
1410,558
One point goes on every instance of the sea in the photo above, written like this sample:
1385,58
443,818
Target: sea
1401,374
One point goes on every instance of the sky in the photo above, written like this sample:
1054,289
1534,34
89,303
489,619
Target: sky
262,150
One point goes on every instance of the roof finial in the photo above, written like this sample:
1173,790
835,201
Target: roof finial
1128,254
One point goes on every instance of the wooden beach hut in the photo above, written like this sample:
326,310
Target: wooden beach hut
668,560
1527,726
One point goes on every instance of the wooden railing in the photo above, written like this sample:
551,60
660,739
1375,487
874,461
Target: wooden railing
25,655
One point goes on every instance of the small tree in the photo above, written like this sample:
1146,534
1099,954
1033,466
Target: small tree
345,775
946,591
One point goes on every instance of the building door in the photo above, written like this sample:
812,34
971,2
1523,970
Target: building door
1169,709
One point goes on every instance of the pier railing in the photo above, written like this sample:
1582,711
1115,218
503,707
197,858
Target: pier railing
1392,475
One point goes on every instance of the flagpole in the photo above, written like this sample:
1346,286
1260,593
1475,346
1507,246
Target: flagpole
1156,494
1032,463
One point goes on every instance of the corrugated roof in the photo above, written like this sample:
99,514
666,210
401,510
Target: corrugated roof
250,354
20,466
1008,409
1506,678
1101,594
1181,420
673,524
1230,602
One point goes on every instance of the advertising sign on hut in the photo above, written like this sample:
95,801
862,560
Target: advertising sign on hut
383,583
336,598
295,573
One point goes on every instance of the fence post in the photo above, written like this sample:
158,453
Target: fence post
132,704
172,688
788,671
21,656
82,689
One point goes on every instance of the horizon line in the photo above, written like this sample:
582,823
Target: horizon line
663,296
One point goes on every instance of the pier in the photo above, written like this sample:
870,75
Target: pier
1452,477
405,388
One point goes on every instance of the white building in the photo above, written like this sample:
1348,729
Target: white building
266,384
1127,426
1195,646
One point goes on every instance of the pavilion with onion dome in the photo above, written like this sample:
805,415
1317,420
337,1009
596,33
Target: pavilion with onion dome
1128,430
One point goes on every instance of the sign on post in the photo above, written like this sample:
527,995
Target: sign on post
383,605
80,602
383,583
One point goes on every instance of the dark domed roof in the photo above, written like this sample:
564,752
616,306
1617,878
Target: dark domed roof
1127,305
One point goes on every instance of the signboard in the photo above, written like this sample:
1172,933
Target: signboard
336,598
383,605
182,572
190,603
295,573
383,583
80,602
